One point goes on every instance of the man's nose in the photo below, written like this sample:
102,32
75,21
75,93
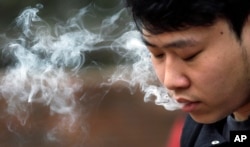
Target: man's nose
175,76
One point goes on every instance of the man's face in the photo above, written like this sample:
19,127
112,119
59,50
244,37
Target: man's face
203,68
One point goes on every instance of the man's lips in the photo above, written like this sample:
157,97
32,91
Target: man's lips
187,105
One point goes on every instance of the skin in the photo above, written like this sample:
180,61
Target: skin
205,68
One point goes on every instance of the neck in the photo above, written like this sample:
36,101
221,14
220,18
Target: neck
243,113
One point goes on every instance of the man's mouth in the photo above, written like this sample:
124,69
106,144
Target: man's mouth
188,105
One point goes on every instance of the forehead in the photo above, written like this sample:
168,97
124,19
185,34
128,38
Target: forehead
192,33
171,39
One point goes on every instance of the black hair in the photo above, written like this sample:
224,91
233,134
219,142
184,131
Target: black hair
158,16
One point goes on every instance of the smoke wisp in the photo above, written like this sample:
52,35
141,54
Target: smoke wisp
48,63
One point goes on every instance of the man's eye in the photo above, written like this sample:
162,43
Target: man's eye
159,56
191,57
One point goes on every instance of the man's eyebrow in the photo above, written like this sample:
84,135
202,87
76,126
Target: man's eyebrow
181,43
147,43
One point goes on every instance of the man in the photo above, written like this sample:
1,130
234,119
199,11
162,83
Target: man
201,54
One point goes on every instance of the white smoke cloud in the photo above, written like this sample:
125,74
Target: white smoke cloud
48,60
139,70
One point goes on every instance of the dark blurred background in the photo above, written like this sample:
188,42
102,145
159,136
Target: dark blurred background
59,9
119,119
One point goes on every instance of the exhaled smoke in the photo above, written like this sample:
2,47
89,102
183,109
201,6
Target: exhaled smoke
48,60
139,71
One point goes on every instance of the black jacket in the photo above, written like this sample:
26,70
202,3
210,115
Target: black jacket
203,135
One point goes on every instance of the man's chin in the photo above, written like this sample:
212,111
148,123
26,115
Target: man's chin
205,119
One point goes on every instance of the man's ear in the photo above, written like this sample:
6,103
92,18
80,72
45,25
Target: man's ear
248,19
246,26
245,35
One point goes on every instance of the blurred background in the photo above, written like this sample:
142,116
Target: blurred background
115,119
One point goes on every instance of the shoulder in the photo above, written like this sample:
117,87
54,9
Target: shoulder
190,131
196,134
